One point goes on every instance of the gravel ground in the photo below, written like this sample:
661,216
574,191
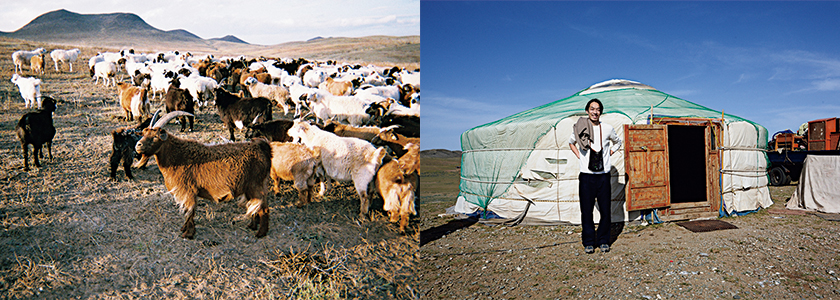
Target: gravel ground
773,254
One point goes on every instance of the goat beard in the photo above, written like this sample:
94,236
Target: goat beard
142,162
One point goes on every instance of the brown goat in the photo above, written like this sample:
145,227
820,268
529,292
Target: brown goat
217,71
202,66
397,182
395,141
220,172
367,133
134,100
36,63
259,74
339,88
296,162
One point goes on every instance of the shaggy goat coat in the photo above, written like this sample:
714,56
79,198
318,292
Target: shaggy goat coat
220,172
397,182
134,101
37,129
296,162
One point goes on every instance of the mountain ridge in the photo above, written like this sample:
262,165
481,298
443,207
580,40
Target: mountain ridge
63,26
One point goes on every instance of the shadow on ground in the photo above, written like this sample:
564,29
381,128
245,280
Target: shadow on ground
434,233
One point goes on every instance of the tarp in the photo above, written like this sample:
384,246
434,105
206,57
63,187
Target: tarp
527,155
818,187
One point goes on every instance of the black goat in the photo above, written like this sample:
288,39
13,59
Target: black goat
36,129
125,139
177,98
273,131
292,66
236,112
409,126
141,78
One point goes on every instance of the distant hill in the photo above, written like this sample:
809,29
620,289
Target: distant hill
114,29
183,34
440,153
230,38
62,22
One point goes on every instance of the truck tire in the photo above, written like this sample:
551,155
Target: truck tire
778,176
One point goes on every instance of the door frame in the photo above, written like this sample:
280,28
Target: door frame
641,158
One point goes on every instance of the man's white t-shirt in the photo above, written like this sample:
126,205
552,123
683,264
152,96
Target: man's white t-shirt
609,139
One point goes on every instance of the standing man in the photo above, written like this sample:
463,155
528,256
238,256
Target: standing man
593,142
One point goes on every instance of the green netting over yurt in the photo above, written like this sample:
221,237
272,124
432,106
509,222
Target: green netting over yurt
527,155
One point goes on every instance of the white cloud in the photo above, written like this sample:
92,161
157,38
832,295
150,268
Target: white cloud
742,78
828,85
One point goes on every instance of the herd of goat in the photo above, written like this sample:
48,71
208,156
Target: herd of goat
349,123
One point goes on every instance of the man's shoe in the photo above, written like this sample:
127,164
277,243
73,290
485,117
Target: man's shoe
589,249
605,248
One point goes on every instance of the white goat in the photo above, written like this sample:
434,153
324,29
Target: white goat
30,90
131,67
201,88
113,57
314,77
298,93
65,56
93,60
390,91
375,80
400,110
412,78
272,92
135,58
343,159
345,109
105,70
160,80
21,57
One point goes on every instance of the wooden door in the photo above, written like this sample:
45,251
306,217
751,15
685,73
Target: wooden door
646,165
712,168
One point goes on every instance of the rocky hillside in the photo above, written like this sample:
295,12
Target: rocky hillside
62,26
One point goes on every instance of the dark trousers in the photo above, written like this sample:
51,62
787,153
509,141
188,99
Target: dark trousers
592,187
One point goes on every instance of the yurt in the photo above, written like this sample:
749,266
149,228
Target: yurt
679,160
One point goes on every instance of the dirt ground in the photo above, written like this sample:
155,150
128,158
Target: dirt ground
774,254
68,232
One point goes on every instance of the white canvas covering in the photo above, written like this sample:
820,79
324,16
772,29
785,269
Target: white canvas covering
548,172
818,187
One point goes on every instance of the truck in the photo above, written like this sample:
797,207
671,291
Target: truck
787,151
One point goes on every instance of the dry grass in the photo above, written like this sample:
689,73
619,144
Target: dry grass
774,254
68,231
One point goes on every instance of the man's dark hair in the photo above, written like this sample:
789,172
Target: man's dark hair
600,105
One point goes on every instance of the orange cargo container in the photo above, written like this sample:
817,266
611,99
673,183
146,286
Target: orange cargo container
824,134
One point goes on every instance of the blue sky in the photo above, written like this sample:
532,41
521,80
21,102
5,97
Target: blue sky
254,21
775,63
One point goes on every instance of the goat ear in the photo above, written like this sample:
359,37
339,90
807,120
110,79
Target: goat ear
379,154
162,135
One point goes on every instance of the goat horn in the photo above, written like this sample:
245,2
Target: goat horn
392,127
154,117
255,119
167,117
